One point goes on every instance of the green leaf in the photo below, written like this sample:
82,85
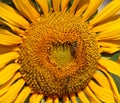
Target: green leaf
27,100
117,80
92,16
43,101
8,2
115,56
78,100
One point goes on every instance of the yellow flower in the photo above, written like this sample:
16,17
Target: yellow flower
51,50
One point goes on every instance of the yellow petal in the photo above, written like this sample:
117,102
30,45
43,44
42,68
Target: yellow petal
13,91
23,95
111,18
102,80
27,9
12,16
56,100
91,95
73,98
107,11
7,57
33,98
113,85
64,5
66,99
92,8
108,44
39,98
109,47
103,94
109,35
56,5
8,72
82,7
82,97
4,88
49,100
74,6
13,28
109,50
8,38
44,5
5,48
108,26
36,98
109,31
110,65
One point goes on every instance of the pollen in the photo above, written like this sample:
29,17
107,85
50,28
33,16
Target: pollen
59,55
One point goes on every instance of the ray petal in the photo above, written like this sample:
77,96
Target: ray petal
13,28
13,91
73,98
64,5
27,9
109,50
66,99
102,80
5,48
92,8
23,95
108,44
33,98
56,100
12,16
109,38
103,94
56,5
108,26
39,98
83,5
36,98
113,85
82,97
110,65
8,38
4,88
49,100
107,11
109,35
108,31
7,57
44,5
74,6
92,96
8,72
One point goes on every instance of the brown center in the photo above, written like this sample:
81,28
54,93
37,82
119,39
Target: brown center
59,55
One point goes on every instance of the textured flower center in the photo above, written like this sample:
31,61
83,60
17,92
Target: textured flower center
59,55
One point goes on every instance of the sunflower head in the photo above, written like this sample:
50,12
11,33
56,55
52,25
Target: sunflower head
52,50
59,55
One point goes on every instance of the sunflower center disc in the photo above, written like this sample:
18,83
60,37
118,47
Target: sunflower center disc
59,55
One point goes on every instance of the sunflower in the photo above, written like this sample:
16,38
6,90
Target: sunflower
53,51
